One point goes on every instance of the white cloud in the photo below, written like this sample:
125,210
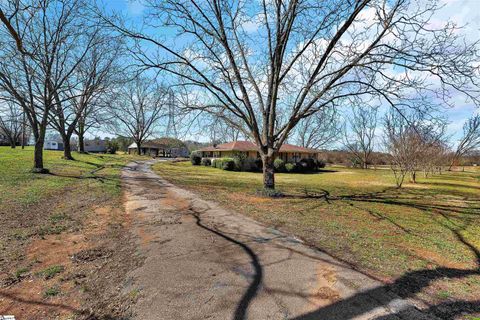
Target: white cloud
135,7
250,26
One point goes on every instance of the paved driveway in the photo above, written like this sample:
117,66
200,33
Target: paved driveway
204,262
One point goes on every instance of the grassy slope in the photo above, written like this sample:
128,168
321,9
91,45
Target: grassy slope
19,186
21,190
38,209
382,230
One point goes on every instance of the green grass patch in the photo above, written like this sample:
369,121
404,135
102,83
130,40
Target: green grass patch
58,217
52,229
51,292
21,272
20,187
51,272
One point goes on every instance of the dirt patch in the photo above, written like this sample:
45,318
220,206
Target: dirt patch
172,200
69,271
437,259
325,293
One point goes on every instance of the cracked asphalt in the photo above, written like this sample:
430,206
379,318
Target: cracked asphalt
204,262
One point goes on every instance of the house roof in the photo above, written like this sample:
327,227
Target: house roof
250,146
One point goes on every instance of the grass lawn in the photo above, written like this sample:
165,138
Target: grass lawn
358,216
46,219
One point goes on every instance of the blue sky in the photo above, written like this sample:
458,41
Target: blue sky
465,13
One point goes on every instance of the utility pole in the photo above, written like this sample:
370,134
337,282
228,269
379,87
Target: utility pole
23,130
171,127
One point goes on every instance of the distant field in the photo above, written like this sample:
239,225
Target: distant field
46,219
358,216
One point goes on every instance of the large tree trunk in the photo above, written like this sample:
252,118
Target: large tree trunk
38,155
414,177
268,172
23,131
67,148
139,149
364,160
453,162
450,166
81,135
81,143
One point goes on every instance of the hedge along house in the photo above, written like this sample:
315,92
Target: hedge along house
163,147
287,152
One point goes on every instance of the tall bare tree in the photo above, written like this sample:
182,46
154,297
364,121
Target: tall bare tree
138,106
360,135
303,56
11,123
470,140
35,70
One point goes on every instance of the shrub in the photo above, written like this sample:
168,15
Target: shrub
302,166
308,164
259,164
112,146
217,163
206,162
195,158
228,164
290,167
239,158
249,165
321,164
279,165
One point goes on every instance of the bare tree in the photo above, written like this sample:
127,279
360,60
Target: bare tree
303,56
434,157
410,139
137,109
11,123
360,135
470,140
34,75
319,130
86,90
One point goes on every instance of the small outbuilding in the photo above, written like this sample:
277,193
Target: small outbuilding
53,145
162,147
95,145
